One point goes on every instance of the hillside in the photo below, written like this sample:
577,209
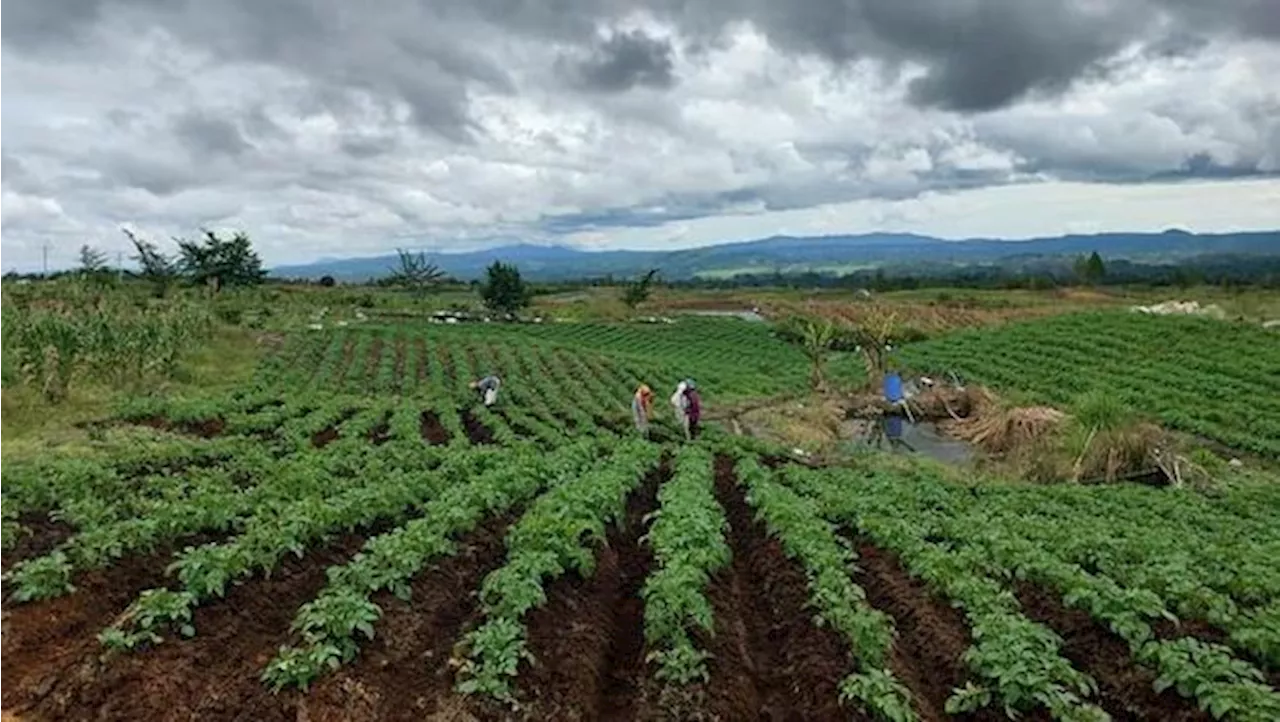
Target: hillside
796,254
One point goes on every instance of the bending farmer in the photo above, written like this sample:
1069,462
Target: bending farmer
642,408
488,388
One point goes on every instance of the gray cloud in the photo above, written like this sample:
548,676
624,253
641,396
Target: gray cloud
318,120
204,134
625,60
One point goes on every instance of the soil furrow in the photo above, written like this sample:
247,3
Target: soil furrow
932,636
39,536
404,673
769,660
433,432
477,432
46,643
213,675
588,639
1126,689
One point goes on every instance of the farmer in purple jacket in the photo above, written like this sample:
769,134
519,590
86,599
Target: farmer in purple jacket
692,410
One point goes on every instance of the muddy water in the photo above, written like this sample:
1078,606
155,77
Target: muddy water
923,437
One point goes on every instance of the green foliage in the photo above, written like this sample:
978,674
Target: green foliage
156,268
1154,553
1090,269
1217,379
638,291
557,535
415,274
503,290
687,536
220,262
805,536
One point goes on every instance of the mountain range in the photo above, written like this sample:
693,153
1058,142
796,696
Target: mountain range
824,254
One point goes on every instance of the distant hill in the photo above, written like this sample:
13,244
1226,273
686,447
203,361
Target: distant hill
786,254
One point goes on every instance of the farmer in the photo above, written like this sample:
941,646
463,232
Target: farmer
677,403
642,408
692,410
488,388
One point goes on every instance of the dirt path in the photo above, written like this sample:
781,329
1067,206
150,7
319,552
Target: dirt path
1125,688
769,661
404,672
932,636
589,637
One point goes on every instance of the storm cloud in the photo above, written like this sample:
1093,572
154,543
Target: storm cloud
324,126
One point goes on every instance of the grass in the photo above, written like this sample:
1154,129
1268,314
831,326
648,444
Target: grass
32,426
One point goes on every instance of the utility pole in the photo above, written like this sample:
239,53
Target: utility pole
44,255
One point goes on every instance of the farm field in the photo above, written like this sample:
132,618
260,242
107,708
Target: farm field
352,536
1217,380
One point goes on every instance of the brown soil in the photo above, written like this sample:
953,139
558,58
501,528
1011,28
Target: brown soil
476,431
47,644
1125,688
769,661
212,676
321,439
39,536
205,429
420,359
932,636
433,432
588,639
404,673
344,366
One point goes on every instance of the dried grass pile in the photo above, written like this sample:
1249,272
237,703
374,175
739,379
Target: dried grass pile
998,430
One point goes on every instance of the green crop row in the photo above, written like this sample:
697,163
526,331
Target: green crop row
688,540
558,534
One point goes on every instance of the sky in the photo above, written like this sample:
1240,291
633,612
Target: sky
328,128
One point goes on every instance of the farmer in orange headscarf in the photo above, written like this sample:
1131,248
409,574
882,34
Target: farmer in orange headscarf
641,408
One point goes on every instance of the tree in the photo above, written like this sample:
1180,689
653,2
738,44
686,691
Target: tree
416,274
93,267
158,269
1090,269
220,262
639,291
503,290
816,338
328,281
92,261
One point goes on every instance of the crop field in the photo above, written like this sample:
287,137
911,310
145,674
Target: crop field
354,537
1218,380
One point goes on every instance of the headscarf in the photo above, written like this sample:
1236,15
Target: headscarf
675,398
645,395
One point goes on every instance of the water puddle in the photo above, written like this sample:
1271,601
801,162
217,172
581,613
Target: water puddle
744,315
900,435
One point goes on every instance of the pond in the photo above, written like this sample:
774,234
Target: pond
744,315
923,437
